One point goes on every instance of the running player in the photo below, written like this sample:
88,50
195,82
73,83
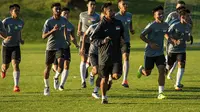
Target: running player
55,30
126,19
108,36
11,44
86,19
154,53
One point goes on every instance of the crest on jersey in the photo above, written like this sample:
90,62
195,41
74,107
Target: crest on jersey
117,27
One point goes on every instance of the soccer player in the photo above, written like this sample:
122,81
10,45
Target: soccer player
126,19
11,44
155,32
70,35
108,37
93,57
86,19
181,32
54,29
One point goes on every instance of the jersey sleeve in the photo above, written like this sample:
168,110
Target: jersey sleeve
147,29
46,27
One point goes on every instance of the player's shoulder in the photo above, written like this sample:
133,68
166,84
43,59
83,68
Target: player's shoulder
83,13
49,20
117,14
96,14
129,14
150,24
6,19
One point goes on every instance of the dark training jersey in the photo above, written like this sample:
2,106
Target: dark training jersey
110,52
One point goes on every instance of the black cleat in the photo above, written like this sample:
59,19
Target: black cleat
104,101
83,85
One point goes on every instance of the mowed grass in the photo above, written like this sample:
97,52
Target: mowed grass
140,97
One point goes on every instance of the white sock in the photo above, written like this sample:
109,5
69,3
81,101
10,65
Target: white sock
160,89
64,77
179,75
96,89
83,71
104,97
125,69
46,82
110,78
172,69
16,76
91,75
57,74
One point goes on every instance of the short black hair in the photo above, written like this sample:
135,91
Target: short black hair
180,8
188,11
105,5
183,12
121,0
65,9
55,4
157,8
11,7
181,2
91,1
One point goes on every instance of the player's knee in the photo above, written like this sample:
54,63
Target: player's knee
116,76
181,65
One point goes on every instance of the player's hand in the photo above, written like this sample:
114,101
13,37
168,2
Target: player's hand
132,31
154,46
7,38
175,42
82,52
55,28
79,33
22,42
106,40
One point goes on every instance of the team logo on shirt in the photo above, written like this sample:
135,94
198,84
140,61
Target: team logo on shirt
93,19
69,29
117,27
20,26
128,19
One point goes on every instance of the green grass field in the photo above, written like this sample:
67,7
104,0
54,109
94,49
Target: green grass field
140,97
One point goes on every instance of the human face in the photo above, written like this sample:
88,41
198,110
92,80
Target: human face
109,13
184,18
56,10
159,15
65,14
123,6
15,12
91,6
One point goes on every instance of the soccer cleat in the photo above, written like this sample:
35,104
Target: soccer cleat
46,91
61,88
161,96
179,87
139,74
3,74
95,95
16,89
91,80
125,84
56,83
83,85
104,101
169,77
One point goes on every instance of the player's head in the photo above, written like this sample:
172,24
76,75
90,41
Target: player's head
158,13
65,12
56,9
184,16
91,4
180,8
180,4
123,5
14,10
107,10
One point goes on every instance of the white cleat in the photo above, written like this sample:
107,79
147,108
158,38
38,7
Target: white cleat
46,91
56,83
95,95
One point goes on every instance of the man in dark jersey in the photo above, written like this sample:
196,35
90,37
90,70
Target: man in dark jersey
108,37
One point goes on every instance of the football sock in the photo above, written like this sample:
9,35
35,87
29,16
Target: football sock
83,71
96,89
46,82
16,75
64,77
179,75
125,70
57,74
160,89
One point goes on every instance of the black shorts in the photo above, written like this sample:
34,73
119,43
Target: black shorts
51,55
87,47
105,70
67,56
149,61
173,57
126,48
94,59
9,53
